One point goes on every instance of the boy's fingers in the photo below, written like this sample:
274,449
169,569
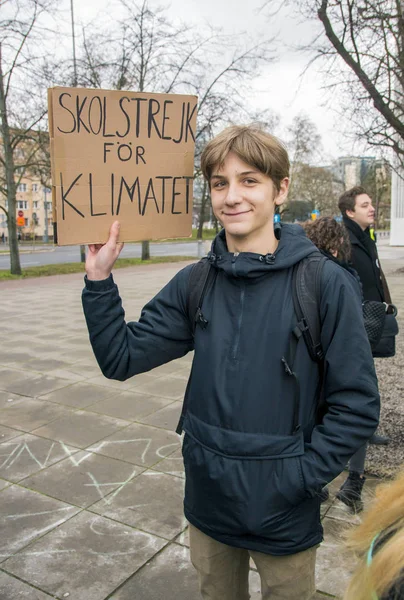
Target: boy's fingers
114,233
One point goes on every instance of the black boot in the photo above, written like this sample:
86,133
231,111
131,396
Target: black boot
324,494
379,440
350,491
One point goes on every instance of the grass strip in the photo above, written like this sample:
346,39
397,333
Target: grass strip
67,268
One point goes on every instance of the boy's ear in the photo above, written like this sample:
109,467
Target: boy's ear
350,214
283,192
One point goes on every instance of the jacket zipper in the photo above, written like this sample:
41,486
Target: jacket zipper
240,319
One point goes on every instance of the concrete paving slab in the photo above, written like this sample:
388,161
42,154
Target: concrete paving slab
143,378
12,588
27,515
333,566
27,454
183,538
78,395
46,364
28,414
166,418
15,357
83,479
172,465
139,444
66,374
85,369
4,484
170,575
118,386
166,387
33,386
81,428
7,398
87,558
9,376
152,502
129,405
7,433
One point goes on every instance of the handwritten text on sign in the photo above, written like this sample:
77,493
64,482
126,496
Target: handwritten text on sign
121,155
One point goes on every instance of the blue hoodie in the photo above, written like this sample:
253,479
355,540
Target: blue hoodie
250,480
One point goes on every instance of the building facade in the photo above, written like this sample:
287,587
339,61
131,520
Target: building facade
34,205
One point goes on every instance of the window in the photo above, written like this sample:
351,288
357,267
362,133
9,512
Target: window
22,187
26,222
34,187
35,203
22,204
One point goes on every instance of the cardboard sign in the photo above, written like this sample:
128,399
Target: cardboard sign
123,156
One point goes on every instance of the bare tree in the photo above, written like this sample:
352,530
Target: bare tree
361,47
312,184
21,109
149,53
316,187
368,35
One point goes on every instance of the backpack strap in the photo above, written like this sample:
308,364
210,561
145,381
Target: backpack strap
202,276
306,293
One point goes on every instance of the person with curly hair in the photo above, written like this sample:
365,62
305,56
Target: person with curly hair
332,238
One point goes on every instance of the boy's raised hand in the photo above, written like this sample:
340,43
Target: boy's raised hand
101,257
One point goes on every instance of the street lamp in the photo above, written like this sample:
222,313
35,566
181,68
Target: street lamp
45,235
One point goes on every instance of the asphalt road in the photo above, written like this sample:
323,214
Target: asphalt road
65,254
68,254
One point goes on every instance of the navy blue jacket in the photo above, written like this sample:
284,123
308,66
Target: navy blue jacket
250,481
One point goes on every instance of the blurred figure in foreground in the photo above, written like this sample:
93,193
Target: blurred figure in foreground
378,542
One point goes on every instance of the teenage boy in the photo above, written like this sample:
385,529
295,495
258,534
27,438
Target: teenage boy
255,458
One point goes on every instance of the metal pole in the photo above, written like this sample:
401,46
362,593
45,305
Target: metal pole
45,235
82,247
74,46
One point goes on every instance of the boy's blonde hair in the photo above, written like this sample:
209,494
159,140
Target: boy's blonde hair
253,146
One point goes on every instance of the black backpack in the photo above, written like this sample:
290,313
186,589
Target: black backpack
306,281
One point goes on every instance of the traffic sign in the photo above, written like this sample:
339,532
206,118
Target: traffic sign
20,213
20,222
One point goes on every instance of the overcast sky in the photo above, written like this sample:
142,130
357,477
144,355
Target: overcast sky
281,86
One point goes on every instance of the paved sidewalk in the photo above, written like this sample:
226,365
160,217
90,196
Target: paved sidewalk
91,470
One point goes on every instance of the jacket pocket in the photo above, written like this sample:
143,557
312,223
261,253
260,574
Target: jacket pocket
240,483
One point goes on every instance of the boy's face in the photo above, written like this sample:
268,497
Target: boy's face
244,199
364,213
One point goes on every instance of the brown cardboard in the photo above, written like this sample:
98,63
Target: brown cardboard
125,156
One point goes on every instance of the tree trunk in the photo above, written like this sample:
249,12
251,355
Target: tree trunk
146,250
15,266
204,199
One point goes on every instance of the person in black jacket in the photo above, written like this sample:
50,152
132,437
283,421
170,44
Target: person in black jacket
358,216
255,455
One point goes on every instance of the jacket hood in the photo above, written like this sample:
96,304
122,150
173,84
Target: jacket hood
293,246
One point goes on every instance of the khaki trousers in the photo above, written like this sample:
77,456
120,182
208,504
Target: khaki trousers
223,571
